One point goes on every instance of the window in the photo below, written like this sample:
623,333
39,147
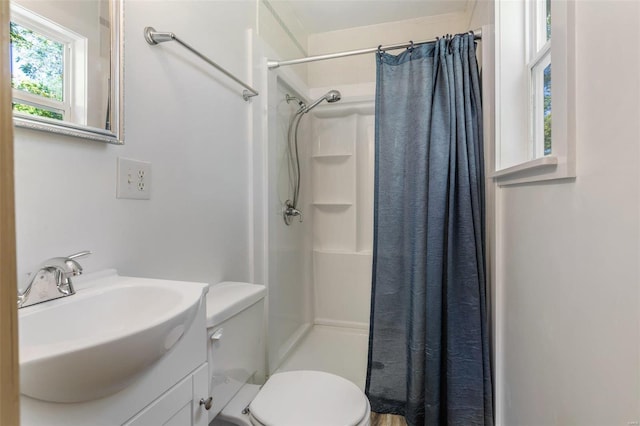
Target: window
37,73
48,69
531,35
539,67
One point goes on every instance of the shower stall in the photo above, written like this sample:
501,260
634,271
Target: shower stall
318,259
318,271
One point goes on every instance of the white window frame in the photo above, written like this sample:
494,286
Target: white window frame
74,104
516,45
536,115
539,57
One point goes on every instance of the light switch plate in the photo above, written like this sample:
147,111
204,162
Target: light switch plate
134,179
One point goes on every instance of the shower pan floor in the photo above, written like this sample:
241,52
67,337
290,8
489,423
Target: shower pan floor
338,350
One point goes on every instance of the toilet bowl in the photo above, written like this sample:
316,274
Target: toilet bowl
236,354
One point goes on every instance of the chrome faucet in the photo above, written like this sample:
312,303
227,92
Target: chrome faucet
51,280
289,212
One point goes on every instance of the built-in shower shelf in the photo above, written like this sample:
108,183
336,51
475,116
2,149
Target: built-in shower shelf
328,157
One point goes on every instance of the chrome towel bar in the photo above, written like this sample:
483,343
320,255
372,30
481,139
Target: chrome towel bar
155,37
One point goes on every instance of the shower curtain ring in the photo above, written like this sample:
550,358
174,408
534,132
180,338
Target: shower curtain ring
410,48
449,43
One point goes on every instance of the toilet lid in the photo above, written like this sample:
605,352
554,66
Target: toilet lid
310,398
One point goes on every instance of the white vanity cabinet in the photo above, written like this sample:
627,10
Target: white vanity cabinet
167,392
179,406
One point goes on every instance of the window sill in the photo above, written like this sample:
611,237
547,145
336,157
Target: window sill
538,163
545,168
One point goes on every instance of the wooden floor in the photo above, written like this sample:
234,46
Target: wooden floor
387,420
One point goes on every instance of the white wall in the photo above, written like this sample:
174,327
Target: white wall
568,278
185,118
362,69
278,26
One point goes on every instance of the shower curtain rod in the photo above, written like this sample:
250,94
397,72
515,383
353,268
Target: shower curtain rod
154,37
477,35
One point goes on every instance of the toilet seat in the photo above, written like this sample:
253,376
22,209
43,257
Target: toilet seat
310,398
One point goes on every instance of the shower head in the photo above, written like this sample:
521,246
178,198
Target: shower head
331,96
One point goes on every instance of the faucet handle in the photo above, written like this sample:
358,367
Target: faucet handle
74,267
289,212
65,267
79,254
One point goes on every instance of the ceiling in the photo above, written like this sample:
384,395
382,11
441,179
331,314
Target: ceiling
318,16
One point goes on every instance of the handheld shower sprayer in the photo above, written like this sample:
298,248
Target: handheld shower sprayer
331,96
290,209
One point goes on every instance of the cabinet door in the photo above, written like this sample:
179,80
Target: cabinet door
200,391
171,409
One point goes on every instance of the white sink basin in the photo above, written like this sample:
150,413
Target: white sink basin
96,342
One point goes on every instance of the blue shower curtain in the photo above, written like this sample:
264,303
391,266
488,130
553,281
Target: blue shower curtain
428,344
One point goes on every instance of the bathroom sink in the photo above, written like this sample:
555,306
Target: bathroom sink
96,342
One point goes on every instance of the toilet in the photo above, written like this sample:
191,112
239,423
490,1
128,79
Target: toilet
236,354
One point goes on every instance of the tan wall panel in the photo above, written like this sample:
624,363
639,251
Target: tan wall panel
9,382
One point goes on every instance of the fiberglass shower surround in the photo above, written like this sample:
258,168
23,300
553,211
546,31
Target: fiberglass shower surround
440,374
291,205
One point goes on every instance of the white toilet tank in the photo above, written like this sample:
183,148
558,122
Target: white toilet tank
236,343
